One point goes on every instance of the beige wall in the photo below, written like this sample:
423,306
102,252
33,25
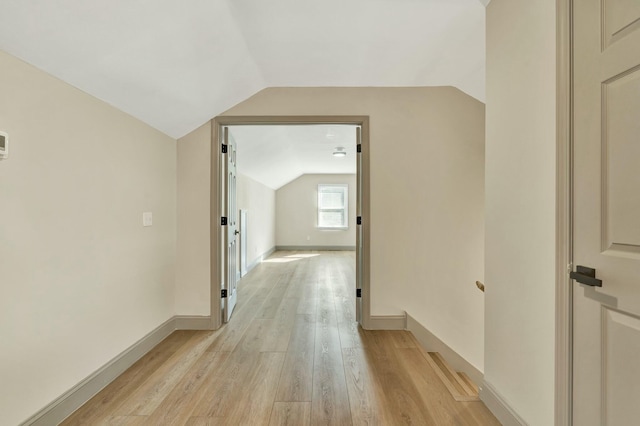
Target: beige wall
520,206
80,278
297,213
193,265
260,203
427,170
193,271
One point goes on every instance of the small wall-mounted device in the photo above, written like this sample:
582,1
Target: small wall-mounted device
4,145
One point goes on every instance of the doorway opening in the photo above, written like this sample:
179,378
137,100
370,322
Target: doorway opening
220,237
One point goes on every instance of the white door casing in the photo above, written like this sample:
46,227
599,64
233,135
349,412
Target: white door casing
606,219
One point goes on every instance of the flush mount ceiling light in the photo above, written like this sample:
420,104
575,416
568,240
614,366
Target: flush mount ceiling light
339,152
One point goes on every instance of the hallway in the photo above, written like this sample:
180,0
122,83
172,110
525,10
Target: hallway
291,354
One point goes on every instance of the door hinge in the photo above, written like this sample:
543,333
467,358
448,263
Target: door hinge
358,292
224,148
359,220
223,221
223,293
359,147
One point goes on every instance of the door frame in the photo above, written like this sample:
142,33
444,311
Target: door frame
215,212
564,214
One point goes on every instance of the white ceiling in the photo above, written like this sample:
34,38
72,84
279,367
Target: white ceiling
275,155
175,64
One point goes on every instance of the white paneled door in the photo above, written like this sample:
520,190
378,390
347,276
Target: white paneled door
606,218
243,242
230,260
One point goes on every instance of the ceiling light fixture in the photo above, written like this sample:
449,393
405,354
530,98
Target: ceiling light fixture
339,152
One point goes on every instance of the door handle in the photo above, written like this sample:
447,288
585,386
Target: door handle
236,232
586,276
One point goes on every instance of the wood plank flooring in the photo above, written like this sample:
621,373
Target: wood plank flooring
292,354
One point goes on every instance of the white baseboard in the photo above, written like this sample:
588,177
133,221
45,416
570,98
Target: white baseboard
387,322
499,407
259,259
74,398
432,343
315,248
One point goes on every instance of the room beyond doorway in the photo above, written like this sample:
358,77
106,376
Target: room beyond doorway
330,129
303,181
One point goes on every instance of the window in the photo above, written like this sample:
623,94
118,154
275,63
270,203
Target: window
333,206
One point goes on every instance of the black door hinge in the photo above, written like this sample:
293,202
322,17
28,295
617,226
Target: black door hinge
223,221
359,148
359,220
358,292
223,293
224,148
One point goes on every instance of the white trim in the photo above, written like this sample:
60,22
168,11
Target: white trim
431,343
63,406
315,248
499,406
258,260
387,322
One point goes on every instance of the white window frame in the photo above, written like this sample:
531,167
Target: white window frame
345,189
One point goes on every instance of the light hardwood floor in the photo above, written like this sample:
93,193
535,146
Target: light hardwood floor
292,354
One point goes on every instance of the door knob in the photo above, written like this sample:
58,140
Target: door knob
236,232
586,276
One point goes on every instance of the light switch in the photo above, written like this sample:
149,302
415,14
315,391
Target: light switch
147,219
4,145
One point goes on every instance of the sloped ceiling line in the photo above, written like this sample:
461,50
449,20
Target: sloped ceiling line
176,64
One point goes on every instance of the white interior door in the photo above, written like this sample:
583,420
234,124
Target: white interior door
230,260
243,242
606,222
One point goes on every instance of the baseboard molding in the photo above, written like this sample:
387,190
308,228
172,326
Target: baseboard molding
388,322
315,248
74,398
258,260
185,322
432,343
499,407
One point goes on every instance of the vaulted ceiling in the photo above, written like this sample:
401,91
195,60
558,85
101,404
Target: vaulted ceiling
274,155
175,64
